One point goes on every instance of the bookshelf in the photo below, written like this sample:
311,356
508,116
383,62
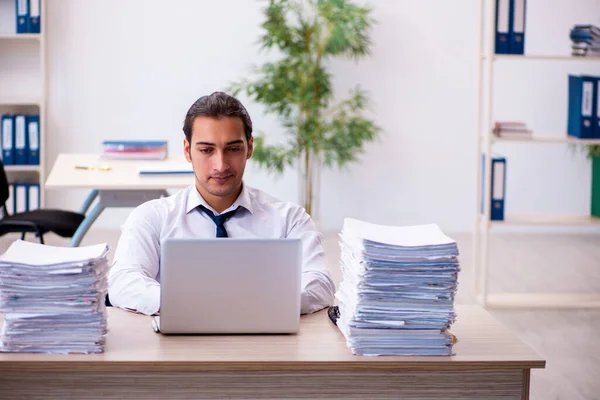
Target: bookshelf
550,57
546,138
23,83
485,145
20,36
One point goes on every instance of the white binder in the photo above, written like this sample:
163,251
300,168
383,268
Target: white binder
34,197
20,198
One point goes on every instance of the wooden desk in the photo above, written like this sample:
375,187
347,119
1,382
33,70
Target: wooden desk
121,186
490,363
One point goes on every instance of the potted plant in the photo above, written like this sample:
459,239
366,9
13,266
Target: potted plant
298,89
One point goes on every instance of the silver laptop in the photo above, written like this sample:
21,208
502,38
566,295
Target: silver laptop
227,286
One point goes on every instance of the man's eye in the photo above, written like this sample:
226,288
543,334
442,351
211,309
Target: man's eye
235,149
206,151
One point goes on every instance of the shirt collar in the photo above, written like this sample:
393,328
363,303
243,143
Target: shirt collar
194,199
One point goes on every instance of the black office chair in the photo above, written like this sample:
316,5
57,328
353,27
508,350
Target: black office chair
39,222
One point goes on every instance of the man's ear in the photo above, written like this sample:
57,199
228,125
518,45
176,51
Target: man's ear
250,147
186,150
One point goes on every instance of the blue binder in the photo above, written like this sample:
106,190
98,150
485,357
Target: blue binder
502,24
582,103
20,140
33,133
34,16
517,27
22,11
497,188
8,139
596,112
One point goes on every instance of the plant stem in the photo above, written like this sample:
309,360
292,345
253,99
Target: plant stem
307,182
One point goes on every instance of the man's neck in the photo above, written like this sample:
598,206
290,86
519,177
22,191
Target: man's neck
219,203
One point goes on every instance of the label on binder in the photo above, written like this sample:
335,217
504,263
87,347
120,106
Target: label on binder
34,197
7,134
519,17
586,102
498,189
34,143
503,12
34,8
22,7
20,132
20,198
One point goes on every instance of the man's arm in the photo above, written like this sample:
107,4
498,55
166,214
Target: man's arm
317,287
132,279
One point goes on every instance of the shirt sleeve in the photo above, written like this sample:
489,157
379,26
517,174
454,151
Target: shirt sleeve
317,286
132,280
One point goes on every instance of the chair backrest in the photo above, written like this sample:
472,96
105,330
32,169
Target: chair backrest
4,193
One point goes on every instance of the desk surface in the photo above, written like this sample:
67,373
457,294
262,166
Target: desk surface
483,343
122,175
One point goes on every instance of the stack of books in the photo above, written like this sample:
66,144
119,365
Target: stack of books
53,298
512,129
397,292
134,150
585,40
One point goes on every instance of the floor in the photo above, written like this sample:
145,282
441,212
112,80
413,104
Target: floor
567,339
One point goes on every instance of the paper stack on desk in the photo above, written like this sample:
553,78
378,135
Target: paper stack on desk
397,292
52,298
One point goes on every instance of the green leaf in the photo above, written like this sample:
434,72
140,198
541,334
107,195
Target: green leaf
272,158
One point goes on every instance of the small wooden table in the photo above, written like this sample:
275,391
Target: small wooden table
490,363
119,186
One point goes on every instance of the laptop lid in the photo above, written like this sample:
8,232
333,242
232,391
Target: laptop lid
230,285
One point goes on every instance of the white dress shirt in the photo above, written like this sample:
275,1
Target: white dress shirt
133,279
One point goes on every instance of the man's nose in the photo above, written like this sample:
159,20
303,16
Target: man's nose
220,162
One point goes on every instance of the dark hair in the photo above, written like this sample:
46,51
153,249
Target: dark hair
217,105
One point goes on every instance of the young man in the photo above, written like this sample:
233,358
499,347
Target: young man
218,142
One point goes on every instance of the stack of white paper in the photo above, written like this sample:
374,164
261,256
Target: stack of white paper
397,292
53,298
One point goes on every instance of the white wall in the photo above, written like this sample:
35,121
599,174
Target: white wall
130,69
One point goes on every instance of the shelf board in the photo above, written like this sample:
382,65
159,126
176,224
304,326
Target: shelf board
542,300
556,57
20,36
19,101
545,138
543,219
22,168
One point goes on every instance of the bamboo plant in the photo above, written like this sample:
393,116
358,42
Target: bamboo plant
307,35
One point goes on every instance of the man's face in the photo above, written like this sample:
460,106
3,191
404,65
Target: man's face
218,152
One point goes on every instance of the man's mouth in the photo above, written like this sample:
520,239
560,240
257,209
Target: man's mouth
221,179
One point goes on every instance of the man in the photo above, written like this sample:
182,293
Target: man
218,142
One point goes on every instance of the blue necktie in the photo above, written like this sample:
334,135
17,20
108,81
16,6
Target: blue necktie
219,220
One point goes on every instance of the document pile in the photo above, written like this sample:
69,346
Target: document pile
585,40
52,298
397,292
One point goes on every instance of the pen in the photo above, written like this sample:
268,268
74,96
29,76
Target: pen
92,168
155,325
